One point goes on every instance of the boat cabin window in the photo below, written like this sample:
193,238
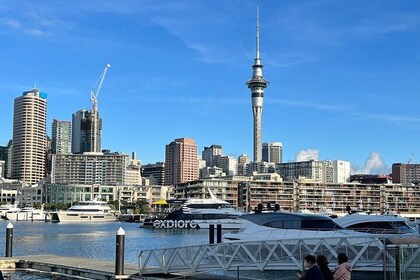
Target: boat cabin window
209,206
319,225
402,227
383,227
304,224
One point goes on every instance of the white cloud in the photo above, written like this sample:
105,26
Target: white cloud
326,107
305,155
35,20
375,164
14,24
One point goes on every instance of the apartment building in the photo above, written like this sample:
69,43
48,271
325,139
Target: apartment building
29,136
181,161
406,173
89,168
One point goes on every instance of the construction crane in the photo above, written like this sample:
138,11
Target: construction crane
410,158
95,118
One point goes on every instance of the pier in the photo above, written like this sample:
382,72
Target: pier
69,266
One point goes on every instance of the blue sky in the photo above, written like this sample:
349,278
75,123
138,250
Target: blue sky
344,75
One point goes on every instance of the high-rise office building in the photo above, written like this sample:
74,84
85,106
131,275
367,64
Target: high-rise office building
257,84
133,171
272,152
2,168
228,164
243,159
341,171
61,137
243,163
181,161
29,136
155,172
6,156
210,153
82,138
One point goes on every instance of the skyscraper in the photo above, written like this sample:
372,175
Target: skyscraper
6,156
272,152
181,161
154,171
61,137
29,136
82,138
210,153
257,84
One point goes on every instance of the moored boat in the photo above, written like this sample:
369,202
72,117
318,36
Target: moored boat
195,213
385,224
27,214
85,211
286,225
8,209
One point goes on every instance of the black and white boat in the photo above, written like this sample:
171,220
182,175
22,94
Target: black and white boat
286,225
196,213
385,224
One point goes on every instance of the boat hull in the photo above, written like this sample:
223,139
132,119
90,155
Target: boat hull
26,216
66,216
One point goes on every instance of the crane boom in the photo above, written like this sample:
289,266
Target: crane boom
410,158
94,93
94,133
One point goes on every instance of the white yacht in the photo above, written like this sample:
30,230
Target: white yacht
286,225
8,209
85,211
388,224
27,214
197,213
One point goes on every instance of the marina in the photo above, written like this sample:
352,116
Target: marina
179,248
75,205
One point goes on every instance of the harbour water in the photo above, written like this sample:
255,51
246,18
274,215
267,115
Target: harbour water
97,241
92,240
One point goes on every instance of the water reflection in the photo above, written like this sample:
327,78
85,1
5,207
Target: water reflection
93,240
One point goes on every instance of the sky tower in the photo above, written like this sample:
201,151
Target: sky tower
257,84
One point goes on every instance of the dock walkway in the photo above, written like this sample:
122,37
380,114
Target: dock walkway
70,266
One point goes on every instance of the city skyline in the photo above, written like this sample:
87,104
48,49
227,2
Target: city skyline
343,78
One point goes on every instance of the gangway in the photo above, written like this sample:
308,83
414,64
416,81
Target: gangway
365,254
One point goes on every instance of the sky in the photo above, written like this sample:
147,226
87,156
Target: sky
344,75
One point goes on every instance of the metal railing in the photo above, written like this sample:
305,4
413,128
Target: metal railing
402,262
365,254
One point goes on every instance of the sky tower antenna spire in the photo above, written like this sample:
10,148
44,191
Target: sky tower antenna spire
257,55
257,84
